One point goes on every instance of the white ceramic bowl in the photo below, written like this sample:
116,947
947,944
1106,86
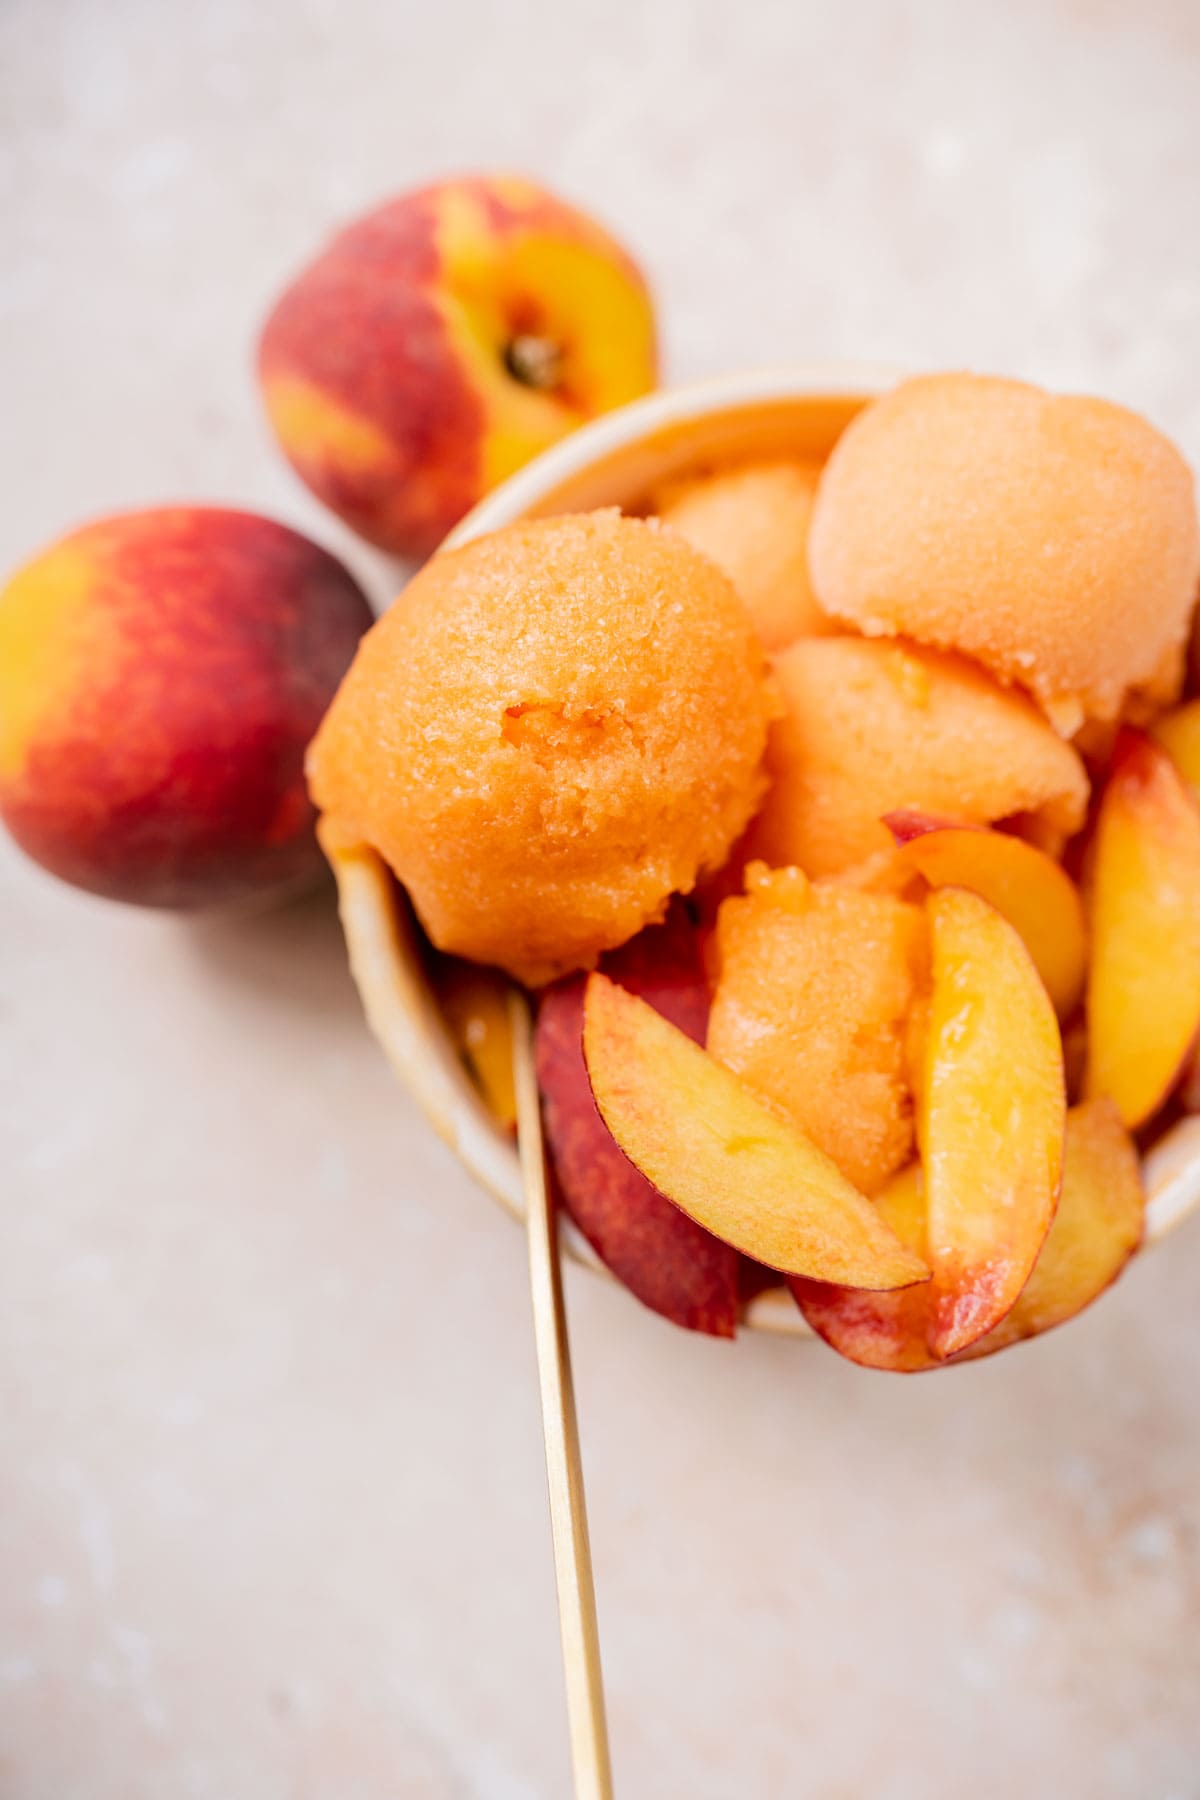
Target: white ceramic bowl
613,462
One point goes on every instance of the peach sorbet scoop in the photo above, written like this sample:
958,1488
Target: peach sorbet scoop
1052,538
552,730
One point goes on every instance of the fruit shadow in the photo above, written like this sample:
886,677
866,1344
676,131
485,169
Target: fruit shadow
290,957
1099,1392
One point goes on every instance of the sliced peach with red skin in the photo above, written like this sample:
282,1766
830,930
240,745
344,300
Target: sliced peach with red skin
990,1117
744,1172
1027,887
879,1331
663,1258
1097,1227
1143,996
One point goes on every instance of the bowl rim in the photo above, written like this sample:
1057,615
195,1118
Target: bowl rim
639,419
384,941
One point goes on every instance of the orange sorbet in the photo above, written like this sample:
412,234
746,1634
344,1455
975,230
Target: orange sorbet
752,519
871,728
814,985
1051,537
553,729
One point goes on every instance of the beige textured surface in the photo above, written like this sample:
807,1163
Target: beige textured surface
273,1524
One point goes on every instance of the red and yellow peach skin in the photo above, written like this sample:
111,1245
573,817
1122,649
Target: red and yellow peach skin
439,342
672,1264
161,673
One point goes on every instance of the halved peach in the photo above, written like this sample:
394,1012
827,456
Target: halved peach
1178,732
1096,1229
990,1118
710,1145
1143,996
1027,887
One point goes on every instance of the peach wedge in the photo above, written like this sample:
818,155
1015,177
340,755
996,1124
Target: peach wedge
474,1001
1096,1229
663,1257
880,1331
990,1119
745,1173
1143,998
1030,890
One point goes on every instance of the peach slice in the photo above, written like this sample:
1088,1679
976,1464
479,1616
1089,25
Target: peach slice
1027,887
990,1118
663,1258
1143,998
1179,734
1096,1229
475,1003
709,1144
879,1331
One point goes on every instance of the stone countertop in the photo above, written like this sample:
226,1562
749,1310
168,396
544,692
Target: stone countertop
274,1525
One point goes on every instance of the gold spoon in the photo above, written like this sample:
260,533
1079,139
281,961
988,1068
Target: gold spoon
560,1429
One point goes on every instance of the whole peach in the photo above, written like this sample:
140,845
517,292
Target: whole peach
439,342
161,673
